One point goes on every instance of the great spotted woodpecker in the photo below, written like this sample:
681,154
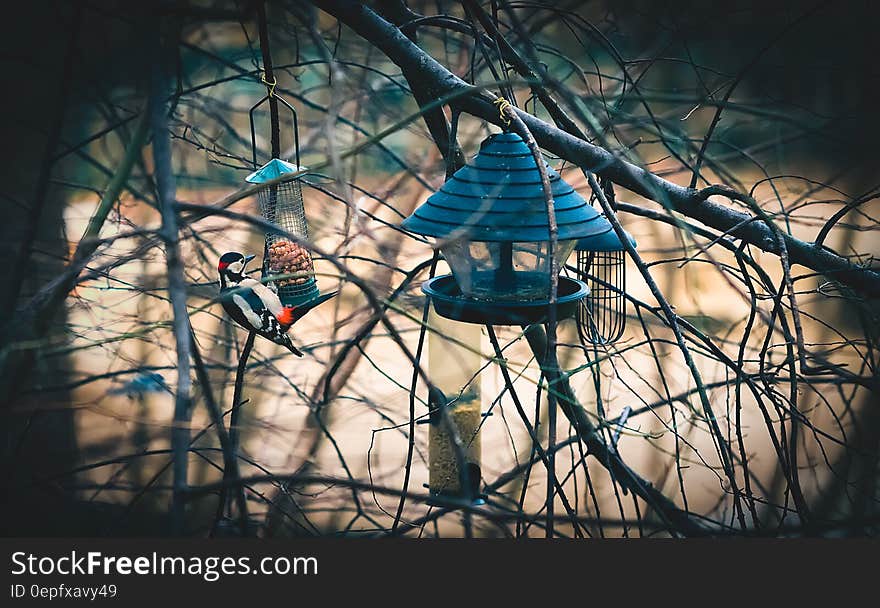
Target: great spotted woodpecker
255,306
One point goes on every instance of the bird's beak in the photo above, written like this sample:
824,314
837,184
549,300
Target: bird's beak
247,260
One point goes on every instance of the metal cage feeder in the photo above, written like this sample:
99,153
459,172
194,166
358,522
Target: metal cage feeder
601,264
492,219
287,264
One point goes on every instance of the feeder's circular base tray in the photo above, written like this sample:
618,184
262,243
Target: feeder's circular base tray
299,294
450,303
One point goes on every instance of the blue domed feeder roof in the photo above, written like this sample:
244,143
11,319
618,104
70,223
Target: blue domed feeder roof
274,169
607,241
498,197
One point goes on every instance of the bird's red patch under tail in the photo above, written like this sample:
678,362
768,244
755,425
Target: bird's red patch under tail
286,316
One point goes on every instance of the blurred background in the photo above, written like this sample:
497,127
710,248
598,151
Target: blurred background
788,91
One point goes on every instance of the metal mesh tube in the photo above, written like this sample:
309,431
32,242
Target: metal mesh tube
283,205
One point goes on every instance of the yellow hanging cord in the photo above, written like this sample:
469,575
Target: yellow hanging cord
502,104
269,85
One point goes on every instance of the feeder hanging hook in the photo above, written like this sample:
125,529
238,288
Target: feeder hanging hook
269,85
503,105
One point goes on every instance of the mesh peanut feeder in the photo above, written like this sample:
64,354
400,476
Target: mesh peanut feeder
287,264
601,264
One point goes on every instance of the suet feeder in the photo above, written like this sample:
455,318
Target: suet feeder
491,220
601,264
287,264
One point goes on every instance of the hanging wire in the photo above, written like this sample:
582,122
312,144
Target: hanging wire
272,95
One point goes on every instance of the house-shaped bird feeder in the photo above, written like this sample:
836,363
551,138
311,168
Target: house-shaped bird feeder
491,224
601,264
491,221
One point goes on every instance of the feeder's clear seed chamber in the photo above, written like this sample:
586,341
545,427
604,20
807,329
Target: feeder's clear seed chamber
443,475
287,264
454,364
504,271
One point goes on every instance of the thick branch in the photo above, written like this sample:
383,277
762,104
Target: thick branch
398,14
166,193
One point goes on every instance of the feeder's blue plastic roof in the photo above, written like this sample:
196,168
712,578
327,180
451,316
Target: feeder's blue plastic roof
607,241
274,169
497,196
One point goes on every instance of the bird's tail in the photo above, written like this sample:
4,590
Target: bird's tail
285,341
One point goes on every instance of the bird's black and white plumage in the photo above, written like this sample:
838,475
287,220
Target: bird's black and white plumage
255,306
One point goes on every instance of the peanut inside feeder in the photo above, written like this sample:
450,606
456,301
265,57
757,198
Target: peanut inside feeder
289,258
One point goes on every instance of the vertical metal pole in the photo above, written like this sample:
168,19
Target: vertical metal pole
504,277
